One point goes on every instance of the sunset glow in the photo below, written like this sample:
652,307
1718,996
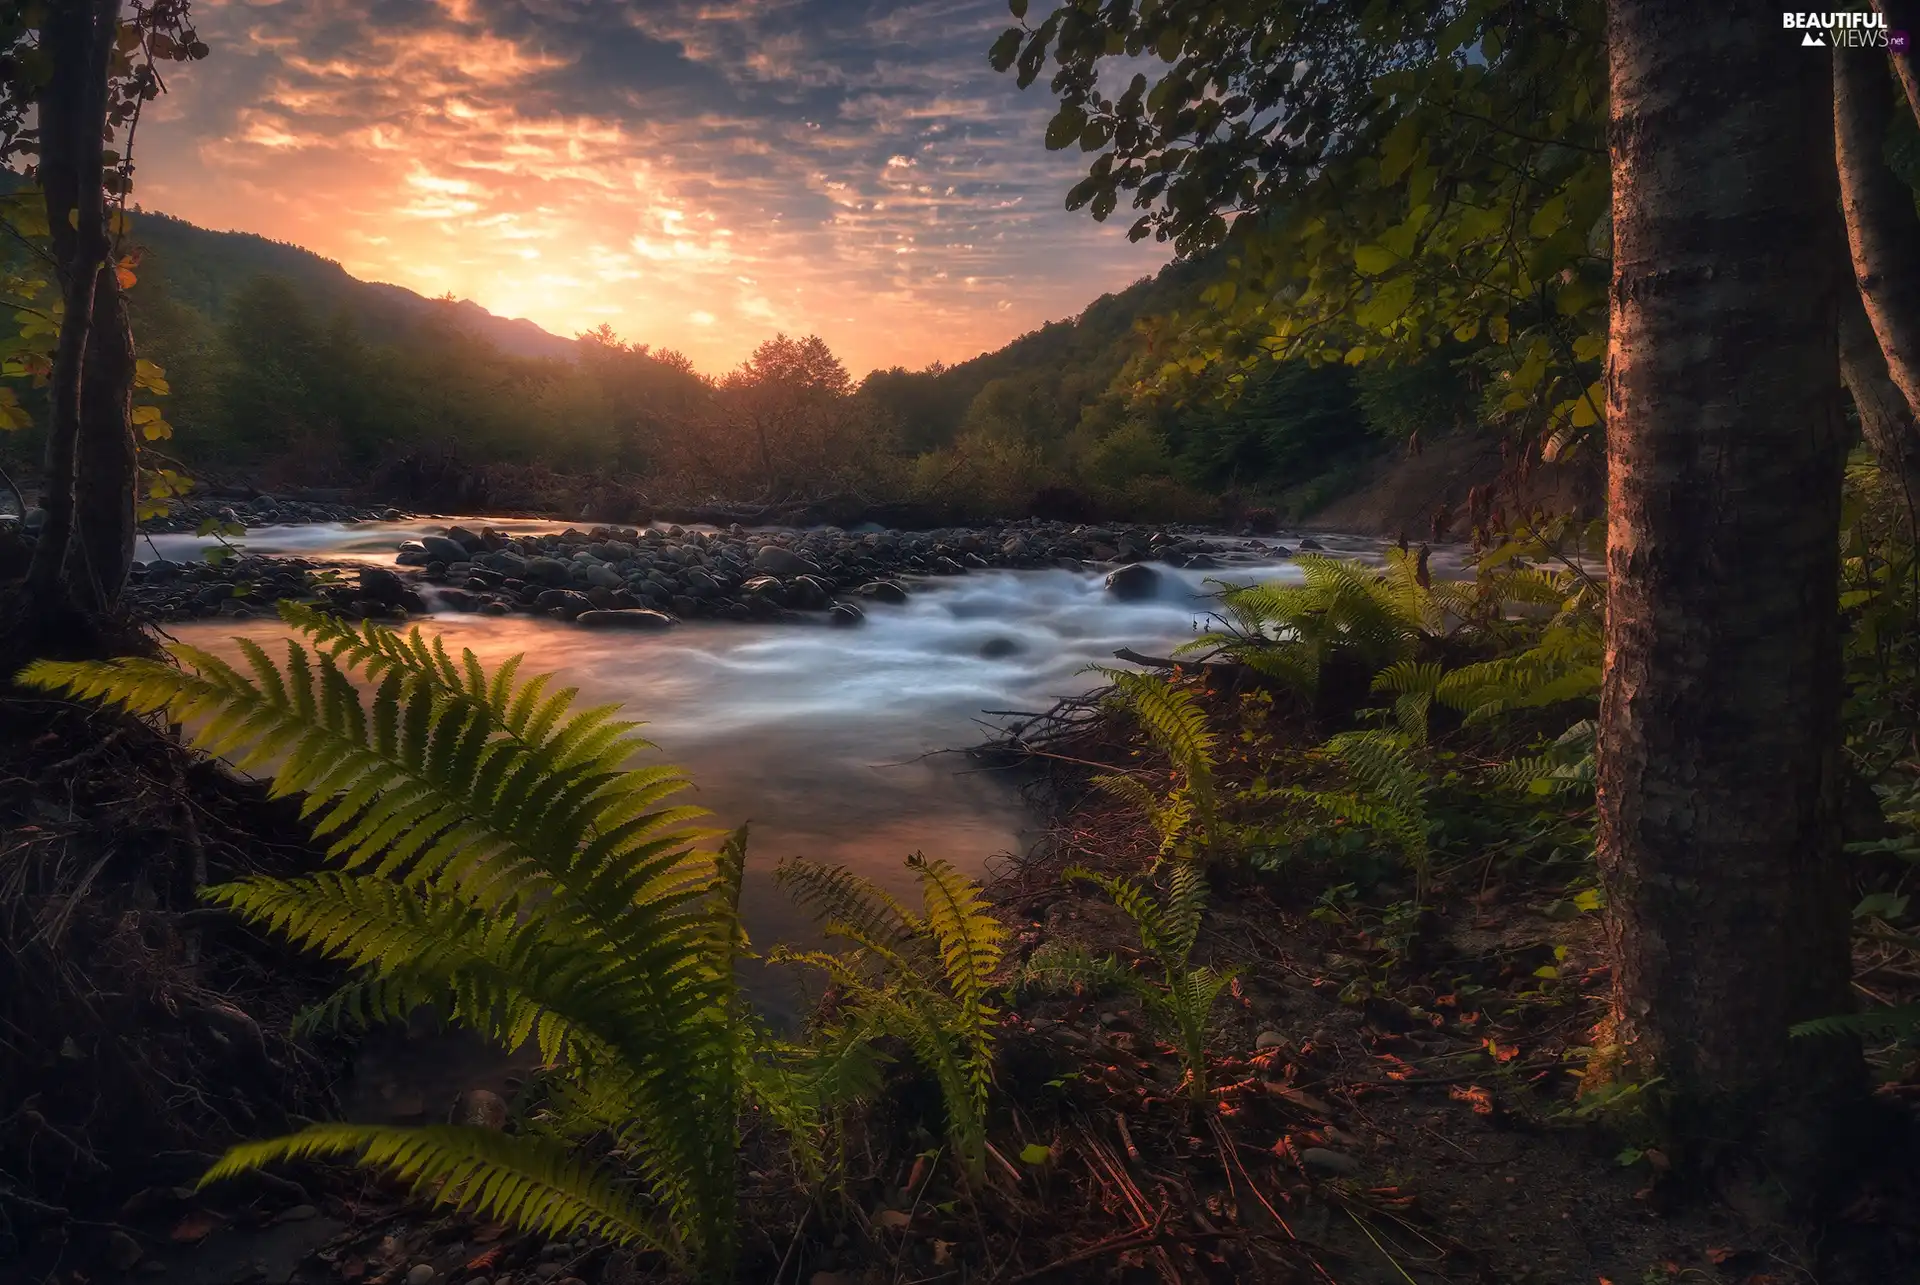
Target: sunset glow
695,174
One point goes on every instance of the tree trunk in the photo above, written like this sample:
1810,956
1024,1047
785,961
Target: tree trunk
1887,423
1883,230
1904,15
109,459
76,42
1719,840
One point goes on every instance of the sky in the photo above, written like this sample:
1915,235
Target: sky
698,174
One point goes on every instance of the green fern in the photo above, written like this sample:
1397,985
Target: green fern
1902,1022
502,863
1291,632
1176,723
1181,999
925,977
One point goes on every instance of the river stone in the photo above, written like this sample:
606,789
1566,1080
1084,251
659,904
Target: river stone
884,591
548,571
562,603
468,540
1133,583
456,600
1311,545
781,562
600,575
844,614
440,548
381,585
999,648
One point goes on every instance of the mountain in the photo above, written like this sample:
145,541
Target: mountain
206,270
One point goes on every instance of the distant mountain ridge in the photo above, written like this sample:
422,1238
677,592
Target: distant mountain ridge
205,269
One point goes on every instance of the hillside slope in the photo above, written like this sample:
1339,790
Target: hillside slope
205,270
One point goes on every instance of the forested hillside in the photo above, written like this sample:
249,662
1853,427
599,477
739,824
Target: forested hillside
286,372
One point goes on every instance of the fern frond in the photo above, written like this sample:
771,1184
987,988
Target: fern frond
533,1183
1901,1023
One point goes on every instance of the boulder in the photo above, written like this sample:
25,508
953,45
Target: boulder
888,591
442,549
564,604
468,540
377,584
602,576
456,600
1311,545
1134,583
626,618
845,614
777,561
999,648
548,571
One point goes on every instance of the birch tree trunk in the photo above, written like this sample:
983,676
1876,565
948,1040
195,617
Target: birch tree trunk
77,41
1883,229
1719,778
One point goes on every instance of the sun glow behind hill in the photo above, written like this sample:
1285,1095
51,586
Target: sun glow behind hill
697,175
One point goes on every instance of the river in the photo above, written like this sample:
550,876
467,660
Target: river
837,744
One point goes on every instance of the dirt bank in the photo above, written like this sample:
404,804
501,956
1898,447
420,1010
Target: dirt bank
1403,491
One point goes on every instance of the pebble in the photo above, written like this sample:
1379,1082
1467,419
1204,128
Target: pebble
1334,1162
1269,1040
297,1214
420,1274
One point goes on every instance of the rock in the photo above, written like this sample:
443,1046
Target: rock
123,1251
547,1271
468,540
775,560
888,591
624,618
420,1274
33,519
844,614
1269,1040
893,1218
605,577
548,571
562,602
1333,1162
1311,545
297,1214
159,571
1133,583
999,648
482,1107
443,549
377,584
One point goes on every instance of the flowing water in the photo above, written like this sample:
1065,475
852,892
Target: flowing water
836,744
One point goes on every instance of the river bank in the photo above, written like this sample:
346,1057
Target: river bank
646,577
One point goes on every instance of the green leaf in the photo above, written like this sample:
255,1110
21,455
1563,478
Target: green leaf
1005,49
1374,259
1064,129
1036,1153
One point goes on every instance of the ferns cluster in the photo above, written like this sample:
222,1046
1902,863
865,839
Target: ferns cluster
500,861
1290,632
925,977
1180,998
